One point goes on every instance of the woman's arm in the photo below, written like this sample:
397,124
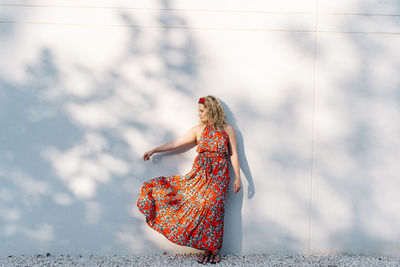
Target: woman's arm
234,158
187,138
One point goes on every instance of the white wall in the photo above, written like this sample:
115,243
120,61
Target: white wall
88,86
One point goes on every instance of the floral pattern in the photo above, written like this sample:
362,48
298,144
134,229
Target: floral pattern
189,209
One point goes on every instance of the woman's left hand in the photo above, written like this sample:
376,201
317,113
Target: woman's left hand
237,185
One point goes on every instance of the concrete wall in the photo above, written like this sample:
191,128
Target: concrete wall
311,87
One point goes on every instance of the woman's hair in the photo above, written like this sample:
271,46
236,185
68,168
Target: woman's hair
215,111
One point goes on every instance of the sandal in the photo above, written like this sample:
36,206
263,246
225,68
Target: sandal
213,256
206,257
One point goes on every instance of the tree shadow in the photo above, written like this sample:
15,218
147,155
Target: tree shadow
354,142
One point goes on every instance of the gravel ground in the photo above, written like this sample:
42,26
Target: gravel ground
191,260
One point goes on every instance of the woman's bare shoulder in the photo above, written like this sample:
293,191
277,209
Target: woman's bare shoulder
228,128
197,128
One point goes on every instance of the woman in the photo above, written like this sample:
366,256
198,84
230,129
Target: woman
189,209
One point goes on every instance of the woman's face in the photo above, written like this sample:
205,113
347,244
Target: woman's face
202,113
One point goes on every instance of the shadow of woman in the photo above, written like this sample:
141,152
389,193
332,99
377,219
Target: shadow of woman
233,234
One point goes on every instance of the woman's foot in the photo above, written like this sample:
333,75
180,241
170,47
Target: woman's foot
204,258
215,257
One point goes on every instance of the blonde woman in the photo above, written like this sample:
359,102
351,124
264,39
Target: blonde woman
189,209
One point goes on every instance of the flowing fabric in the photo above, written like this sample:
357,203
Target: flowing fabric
189,209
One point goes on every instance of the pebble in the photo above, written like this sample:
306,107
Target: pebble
164,259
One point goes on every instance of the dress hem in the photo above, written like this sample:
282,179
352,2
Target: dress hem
173,241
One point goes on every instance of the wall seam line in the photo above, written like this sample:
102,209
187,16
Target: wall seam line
192,28
313,130
197,10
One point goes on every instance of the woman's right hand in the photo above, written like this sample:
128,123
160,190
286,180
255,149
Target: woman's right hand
147,155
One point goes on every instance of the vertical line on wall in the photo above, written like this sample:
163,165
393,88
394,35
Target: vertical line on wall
313,129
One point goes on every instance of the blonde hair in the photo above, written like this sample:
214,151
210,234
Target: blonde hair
215,112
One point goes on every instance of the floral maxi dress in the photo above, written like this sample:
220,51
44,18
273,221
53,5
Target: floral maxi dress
189,209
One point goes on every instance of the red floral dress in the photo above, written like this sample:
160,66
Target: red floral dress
189,209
